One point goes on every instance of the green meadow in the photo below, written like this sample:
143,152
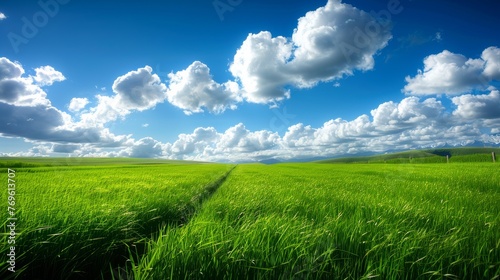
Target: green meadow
127,219
77,222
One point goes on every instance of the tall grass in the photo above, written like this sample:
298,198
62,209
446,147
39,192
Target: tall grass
316,221
472,158
285,221
76,222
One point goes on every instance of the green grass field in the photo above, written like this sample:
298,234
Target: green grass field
161,220
312,221
76,221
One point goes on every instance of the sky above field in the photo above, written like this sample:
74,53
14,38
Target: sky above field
240,80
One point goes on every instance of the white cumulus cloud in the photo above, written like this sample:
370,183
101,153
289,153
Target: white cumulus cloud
452,74
196,143
15,89
484,106
27,113
394,116
144,148
47,75
335,40
259,64
408,124
237,143
77,104
137,90
193,89
239,139
328,43
2,16
491,56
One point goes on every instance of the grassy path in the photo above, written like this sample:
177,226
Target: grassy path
123,271
75,222
252,221
316,221
196,202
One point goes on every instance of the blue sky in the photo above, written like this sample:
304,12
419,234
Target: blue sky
238,80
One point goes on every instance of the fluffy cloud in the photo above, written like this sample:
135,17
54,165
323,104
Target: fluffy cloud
491,56
340,131
408,124
107,109
9,69
391,116
44,122
259,64
485,106
237,143
299,135
241,140
389,119
327,44
194,143
144,148
335,40
26,111
390,123
34,122
137,90
47,75
18,90
193,89
2,16
450,73
77,104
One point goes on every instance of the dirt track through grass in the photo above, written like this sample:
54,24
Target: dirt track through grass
198,200
284,221
316,221
124,272
76,222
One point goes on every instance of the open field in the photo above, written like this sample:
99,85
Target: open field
75,221
166,220
316,221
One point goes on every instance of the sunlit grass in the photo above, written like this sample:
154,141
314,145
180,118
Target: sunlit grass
76,221
311,221
285,221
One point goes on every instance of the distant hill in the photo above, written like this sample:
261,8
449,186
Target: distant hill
468,154
270,161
